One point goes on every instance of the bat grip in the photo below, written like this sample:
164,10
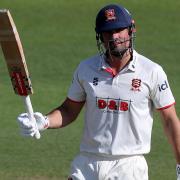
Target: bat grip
29,110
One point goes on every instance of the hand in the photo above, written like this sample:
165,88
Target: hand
178,171
28,127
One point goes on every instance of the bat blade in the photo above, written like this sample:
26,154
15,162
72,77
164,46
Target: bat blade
14,55
16,63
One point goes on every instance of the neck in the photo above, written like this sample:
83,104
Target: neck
117,63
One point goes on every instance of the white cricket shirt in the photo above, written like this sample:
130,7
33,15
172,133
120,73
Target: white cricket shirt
119,109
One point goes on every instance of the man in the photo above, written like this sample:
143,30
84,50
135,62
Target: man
119,89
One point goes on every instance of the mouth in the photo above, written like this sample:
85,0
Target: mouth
118,47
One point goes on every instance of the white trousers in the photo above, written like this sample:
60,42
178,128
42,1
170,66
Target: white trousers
90,167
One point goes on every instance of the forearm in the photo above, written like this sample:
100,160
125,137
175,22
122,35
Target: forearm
171,125
173,134
64,114
59,118
55,119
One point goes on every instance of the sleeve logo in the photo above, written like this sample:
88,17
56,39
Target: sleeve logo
163,86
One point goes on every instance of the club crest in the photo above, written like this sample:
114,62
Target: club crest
110,14
136,84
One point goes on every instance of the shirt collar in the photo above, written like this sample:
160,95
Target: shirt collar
131,66
133,63
103,64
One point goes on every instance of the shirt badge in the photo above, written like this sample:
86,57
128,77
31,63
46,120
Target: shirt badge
136,84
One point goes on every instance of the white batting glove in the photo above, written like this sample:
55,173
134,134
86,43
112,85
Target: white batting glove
178,171
28,127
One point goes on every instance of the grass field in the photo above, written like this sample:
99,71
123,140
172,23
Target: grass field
56,36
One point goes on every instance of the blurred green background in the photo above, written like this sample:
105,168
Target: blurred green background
56,36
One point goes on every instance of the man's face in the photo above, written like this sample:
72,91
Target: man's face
116,41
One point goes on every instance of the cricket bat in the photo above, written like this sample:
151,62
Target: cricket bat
16,63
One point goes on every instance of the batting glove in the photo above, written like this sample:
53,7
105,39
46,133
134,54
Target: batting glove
178,171
28,127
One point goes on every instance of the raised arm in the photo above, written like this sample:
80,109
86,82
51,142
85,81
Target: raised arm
59,117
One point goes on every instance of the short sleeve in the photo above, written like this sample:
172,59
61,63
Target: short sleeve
76,91
161,93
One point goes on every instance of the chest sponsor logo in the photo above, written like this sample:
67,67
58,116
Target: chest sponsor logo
113,105
163,86
136,84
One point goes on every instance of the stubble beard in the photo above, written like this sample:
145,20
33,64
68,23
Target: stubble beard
116,50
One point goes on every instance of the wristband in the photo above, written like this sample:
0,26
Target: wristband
47,122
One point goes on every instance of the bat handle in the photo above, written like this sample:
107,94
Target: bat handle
29,110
